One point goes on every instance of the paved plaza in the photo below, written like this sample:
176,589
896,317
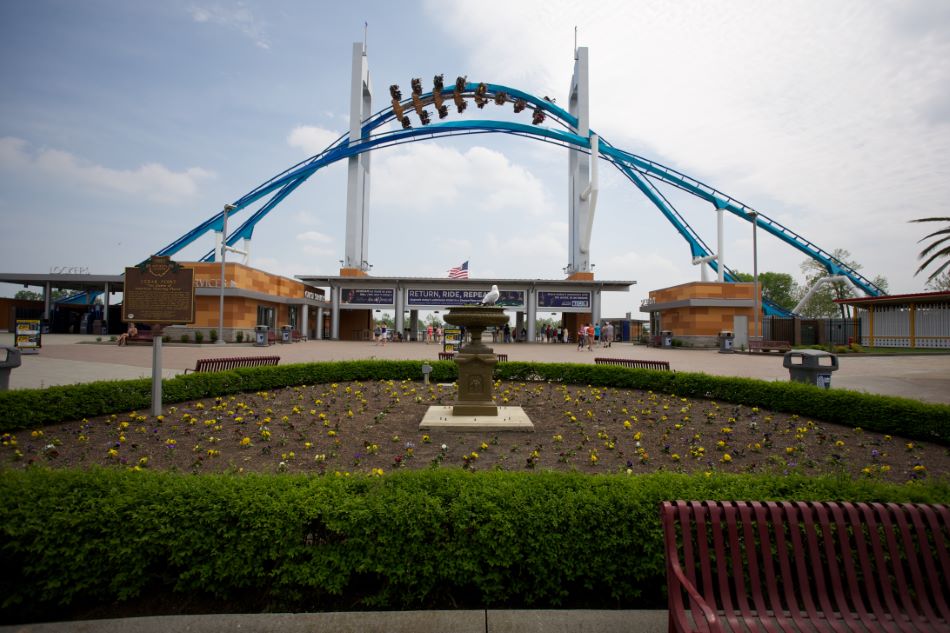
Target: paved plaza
68,359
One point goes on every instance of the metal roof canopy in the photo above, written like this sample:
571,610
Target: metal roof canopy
62,281
917,298
337,280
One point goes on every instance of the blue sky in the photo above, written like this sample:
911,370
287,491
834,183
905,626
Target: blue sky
125,124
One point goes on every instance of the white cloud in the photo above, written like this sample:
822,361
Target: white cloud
837,112
237,18
152,180
426,177
312,140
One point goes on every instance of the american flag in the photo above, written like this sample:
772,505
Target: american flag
459,272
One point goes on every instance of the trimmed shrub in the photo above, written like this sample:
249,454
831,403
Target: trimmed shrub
184,338
423,539
28,408
199,337
239,336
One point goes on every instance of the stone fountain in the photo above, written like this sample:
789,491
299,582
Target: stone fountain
475,409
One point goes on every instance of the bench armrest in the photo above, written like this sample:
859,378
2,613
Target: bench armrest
712,620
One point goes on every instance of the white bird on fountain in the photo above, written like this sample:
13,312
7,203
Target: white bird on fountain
491,297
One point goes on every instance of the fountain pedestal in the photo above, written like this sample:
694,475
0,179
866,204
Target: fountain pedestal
475,409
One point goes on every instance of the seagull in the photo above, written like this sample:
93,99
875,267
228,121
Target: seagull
492,296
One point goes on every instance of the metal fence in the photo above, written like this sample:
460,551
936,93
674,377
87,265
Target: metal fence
811,331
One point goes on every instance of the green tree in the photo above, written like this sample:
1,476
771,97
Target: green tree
936,250
30,295
822,303
940,283
779,288
433,320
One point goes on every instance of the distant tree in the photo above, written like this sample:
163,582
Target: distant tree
779,288
30,295
938,250
822,303
940,283
433,320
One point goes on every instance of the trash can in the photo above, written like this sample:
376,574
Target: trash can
9,358
260,336
285,331
666,338
726,339
811,366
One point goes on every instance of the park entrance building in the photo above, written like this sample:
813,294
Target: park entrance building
354,301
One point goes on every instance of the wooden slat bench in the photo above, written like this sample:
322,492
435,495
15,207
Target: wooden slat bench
502,358
636,364
221,364
768,346
807,566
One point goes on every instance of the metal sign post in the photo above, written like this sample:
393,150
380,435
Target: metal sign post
158,292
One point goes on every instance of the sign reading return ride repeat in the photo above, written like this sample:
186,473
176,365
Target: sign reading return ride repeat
443,297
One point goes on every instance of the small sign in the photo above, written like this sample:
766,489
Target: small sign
28,335
369,296
563,299
159,291
451,339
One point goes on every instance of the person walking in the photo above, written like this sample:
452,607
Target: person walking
581,337
609,336
590,338
383,334
376,332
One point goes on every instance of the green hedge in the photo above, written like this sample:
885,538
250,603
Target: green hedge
425,539
899,416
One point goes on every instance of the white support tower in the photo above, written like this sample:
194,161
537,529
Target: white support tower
358,172
581,179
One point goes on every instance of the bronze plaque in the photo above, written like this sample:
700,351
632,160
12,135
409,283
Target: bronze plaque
159,291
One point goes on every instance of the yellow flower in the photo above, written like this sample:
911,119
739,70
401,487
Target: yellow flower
626,424
839,443
727,458
307,445
246,441
675,457
790,450
484,446
113,452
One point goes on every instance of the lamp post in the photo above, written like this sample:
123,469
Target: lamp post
755,273
224,250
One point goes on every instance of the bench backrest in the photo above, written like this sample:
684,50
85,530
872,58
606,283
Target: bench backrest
635,363
854,559
221,364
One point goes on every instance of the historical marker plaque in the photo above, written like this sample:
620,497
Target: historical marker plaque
159,291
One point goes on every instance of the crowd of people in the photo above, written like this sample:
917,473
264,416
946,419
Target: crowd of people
587,336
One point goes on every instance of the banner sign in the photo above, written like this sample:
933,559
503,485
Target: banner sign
159,291
442,297
369,296
563,299
28,336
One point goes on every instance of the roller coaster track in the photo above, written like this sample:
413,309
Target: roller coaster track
642,172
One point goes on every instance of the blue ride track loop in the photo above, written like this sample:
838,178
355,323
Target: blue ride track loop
642,172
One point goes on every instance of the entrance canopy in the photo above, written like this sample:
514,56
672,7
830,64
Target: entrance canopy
522,296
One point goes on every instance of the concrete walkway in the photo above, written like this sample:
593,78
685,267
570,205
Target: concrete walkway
375,622
68,359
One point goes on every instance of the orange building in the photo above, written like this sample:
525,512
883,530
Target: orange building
252,297
695,313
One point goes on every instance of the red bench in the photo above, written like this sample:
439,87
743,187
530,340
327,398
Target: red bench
660,365
807,566
222,364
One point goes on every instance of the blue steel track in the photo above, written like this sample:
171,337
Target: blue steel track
642,172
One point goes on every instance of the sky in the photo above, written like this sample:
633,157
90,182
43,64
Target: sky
124,124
